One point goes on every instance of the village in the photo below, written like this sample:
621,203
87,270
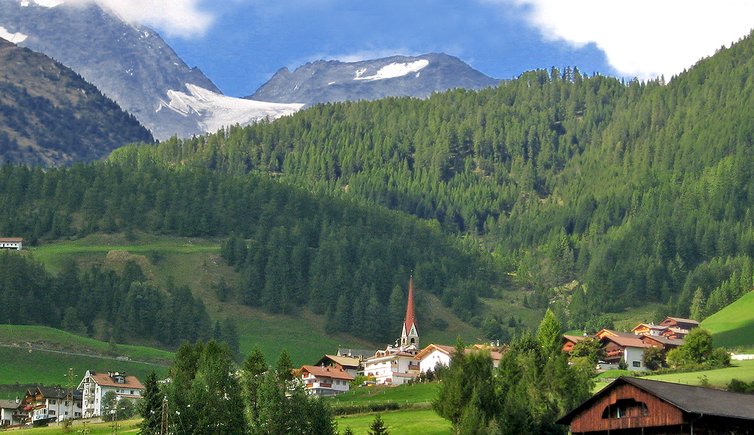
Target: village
98,394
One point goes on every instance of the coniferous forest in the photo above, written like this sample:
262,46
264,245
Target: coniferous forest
621,192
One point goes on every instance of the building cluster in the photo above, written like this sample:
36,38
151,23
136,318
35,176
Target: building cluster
394,365
629,347
55,404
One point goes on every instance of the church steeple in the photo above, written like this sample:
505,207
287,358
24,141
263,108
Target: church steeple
410,332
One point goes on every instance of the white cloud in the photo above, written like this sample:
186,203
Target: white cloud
643,38
184,18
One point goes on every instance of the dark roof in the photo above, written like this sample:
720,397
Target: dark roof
9,404
59,393
688,398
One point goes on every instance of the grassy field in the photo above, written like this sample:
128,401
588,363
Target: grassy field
733,326
126,426
422,421
415,393
742,370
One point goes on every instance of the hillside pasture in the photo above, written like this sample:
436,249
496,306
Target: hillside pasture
733,326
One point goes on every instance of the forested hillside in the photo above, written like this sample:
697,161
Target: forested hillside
49,115
640,192
292,249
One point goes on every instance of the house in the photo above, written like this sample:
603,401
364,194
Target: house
433,356
12,412
16,243
631,405
46,404
347,364
678,327
649,329
569,341
395,365
622,346
95,385
360,354
325,381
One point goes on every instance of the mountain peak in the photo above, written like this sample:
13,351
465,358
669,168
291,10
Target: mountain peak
333,80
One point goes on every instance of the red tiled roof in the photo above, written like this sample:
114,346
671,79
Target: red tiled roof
681,320
11,239
104,380
626,340
327,372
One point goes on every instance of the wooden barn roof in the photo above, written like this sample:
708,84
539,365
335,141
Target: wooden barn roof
688,398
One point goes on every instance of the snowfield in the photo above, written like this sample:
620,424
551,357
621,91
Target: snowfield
394,70
216,111
12,37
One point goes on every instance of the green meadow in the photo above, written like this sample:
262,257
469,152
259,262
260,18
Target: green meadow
733,326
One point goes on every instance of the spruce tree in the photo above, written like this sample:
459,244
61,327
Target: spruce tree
150,406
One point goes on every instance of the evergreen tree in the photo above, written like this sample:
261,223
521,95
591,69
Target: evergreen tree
378,427
150,406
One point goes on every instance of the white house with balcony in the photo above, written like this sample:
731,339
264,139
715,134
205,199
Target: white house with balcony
325,381
55,404
11,412
95,385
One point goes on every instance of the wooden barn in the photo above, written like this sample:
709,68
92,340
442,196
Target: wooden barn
640,406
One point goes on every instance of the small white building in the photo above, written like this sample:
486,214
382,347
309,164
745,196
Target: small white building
52,404
433,356
16,243
325,381
94,386
11,412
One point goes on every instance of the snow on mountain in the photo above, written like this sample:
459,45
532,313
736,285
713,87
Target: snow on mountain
215,111
393,70
12,37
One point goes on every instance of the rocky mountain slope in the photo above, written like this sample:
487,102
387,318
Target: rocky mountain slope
129,63
328,81
49,115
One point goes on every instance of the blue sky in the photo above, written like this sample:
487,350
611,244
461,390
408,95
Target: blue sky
252,40
239,44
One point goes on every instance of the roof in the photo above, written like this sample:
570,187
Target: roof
626,340
681,320
104,380
341,360
650,326
9,404
58,393
11,239
688,398
410,316
361,353
664,340
327,372
447,350
573,338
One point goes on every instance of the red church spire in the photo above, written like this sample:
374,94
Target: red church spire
410,333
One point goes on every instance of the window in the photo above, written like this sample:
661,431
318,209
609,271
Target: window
66,403
52,401
625,408
52,412
636,363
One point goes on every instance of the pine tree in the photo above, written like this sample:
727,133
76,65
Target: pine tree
150,406
378,427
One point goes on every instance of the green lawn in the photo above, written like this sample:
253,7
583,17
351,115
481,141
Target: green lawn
742,370
733,326
126,426
414,393
422,421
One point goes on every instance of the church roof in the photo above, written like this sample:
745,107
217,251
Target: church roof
410,316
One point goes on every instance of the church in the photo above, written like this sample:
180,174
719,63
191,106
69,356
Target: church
396,365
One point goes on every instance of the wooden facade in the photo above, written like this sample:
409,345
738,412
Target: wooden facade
640,406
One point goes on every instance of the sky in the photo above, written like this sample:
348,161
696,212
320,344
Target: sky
240,44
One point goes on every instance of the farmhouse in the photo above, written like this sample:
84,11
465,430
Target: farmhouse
11,412
16,243
94,386
649,329
347,364
52,404
569,341
678,327
631,405
436,355
623,346
325,381
395,365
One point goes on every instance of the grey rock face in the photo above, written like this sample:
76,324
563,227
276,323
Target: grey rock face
330,81
128,63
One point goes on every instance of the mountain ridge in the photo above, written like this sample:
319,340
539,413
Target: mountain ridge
394,76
